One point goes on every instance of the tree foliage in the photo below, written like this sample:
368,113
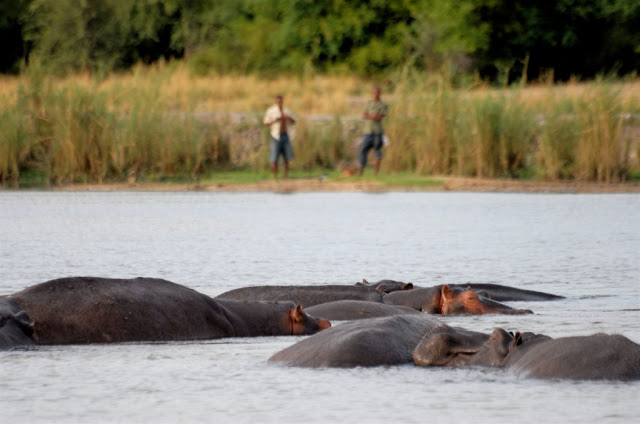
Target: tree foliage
368,37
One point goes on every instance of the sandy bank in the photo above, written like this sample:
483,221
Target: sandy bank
354,184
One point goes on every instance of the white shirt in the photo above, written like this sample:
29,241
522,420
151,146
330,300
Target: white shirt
272,114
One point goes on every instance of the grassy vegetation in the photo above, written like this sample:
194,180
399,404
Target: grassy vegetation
399,179
162,124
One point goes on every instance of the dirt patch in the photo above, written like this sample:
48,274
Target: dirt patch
354,184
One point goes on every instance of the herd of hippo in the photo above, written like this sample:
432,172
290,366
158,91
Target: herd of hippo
388,323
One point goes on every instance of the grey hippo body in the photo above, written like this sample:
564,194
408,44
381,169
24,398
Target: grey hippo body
347,310
386,286
594,357
362,343
432,300
447,300
304,295
502,293
102,310
422,340
16,327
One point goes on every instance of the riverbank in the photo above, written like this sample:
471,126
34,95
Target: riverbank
166,123
357,184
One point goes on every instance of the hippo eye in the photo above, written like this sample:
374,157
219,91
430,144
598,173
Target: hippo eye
453,308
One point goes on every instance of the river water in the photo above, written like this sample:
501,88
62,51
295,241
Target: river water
584,247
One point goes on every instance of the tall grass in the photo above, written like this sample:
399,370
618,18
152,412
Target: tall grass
160,121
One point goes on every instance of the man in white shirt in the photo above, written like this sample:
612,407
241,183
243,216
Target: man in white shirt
281,121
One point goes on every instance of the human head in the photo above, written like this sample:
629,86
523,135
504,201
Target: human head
279,100
376,93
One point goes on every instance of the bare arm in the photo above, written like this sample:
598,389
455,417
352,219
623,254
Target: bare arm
372,116
279,118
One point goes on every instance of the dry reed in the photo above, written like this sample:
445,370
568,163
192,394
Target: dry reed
161,121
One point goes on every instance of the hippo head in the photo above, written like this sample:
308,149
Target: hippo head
468,302
303,323
459,347
387,286
20,322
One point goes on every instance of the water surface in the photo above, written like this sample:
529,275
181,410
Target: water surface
584,247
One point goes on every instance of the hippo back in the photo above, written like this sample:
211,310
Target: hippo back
366,343
303,295
595,357
346,310
425,299
502,293
387,286
100,310
283,318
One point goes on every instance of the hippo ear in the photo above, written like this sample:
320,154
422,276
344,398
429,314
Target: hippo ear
517,341
408,286
447,293
365,282
297,314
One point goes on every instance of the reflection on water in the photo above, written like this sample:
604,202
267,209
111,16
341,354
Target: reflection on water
584,247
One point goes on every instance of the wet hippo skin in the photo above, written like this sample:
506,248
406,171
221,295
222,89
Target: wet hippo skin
16,327
446,300
343,310
362,343
432,300
594,357
304,295
103,310
386,286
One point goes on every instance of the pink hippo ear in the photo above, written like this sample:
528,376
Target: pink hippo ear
447,293
298,315
365,282
408,286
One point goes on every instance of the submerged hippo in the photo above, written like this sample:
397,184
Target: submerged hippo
386,286
502,293
357,309
446,300
432,300
102,310
304,295
16,327
365,343
595,357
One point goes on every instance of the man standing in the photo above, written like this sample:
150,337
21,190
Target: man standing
373,131
280,118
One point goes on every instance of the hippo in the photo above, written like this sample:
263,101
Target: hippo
16,327
595,357
502,293
342,310
386,286
447,301
282,318
431,300
362,343
78,310
304,295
